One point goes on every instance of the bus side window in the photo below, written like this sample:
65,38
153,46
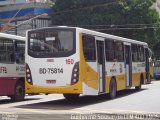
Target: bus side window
134,53
140,54
12,58
19,52
7,51
89,50
119,51
109,50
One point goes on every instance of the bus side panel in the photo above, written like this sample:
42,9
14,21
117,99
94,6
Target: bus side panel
117,71
135,79
151,70
7,86
9,74
121,76
108,79
135,74
121,82
137,70
88,75
91,80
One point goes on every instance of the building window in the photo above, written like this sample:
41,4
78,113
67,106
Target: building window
119,51
89,48
109,50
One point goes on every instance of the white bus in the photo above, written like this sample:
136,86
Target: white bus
12,49
74,61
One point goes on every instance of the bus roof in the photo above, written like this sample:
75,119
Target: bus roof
99,34
14,37
109,36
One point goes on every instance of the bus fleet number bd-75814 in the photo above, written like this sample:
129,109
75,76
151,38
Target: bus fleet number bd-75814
50,70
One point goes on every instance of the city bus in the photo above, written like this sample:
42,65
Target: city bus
12,73
74,61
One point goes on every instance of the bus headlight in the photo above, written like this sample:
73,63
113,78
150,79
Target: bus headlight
27,70
28,80
75,74
28,75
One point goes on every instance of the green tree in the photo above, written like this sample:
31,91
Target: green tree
133,19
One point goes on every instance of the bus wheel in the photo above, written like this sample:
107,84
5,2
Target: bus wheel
112,89
19,92
140,83
71,97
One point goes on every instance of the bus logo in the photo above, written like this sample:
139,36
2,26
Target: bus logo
3,70
120,68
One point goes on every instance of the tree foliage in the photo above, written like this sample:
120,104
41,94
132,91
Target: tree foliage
134,19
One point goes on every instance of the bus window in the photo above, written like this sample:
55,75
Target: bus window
109,50
134,53
19,51
119,52
51,43
6,51
140,54
89,48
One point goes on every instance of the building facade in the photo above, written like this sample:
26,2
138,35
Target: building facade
7,2
17,16
156,5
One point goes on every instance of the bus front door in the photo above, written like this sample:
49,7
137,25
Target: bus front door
128,65
101,65
147,65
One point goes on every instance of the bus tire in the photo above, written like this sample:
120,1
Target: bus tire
71,97
112,89
19,92
140,83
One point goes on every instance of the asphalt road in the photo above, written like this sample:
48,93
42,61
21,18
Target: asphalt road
129,103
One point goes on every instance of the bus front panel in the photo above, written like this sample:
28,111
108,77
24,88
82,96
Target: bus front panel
52,63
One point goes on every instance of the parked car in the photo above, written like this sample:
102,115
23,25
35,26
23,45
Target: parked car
156,70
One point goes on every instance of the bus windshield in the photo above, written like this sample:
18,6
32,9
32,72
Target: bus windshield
51,43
